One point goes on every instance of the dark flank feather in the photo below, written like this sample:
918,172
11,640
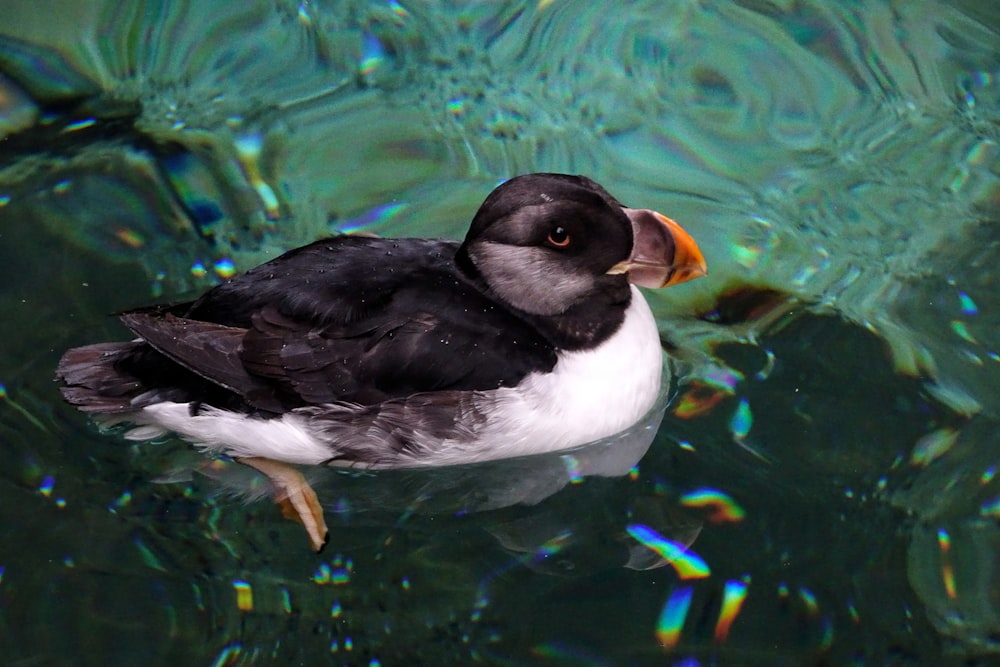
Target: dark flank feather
402,428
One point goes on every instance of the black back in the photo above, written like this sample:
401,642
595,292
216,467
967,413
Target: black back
348,319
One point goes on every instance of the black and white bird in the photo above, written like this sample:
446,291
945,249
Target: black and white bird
529,336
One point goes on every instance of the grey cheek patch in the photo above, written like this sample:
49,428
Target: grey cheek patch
523,277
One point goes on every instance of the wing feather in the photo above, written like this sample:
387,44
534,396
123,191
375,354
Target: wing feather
307,329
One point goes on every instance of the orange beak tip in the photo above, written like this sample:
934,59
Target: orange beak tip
689,262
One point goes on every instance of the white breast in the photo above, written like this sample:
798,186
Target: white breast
588,395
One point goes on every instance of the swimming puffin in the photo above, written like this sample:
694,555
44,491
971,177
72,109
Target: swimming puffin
529,336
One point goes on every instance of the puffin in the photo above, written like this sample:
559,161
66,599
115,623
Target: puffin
528,336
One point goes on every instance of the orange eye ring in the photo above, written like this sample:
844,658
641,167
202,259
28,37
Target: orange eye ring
558,238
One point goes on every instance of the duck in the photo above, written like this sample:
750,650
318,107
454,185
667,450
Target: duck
528,336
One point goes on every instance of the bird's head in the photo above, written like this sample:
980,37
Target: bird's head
546,242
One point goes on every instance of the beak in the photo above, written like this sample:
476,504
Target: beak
663,254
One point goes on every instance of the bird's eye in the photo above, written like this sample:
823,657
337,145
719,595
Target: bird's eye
558,237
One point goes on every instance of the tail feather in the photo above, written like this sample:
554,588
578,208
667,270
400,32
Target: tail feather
94,381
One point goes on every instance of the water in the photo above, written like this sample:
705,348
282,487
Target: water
828,458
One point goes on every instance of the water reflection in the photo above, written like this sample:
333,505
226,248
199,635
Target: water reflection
841,157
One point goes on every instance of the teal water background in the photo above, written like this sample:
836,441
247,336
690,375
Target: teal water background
829,453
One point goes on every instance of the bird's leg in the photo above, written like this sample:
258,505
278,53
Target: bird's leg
296,498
